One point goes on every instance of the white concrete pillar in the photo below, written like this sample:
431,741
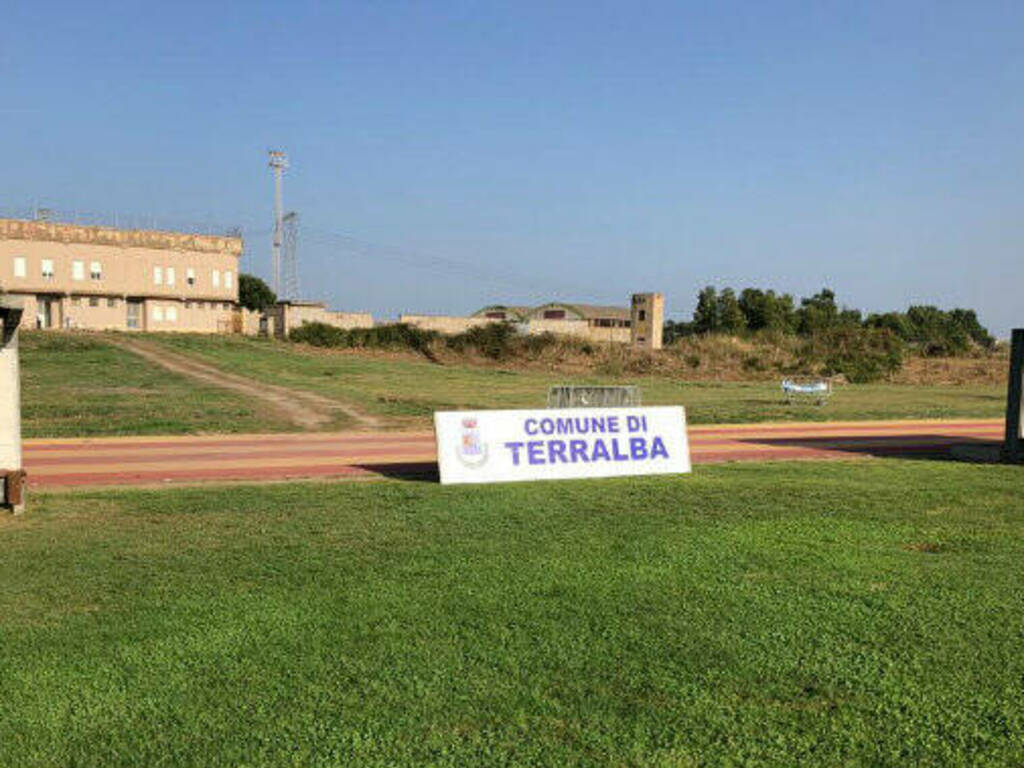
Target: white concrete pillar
10,404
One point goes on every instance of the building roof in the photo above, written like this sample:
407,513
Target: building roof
573,311
40,229
519,311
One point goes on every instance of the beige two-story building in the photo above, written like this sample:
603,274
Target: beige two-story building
105,278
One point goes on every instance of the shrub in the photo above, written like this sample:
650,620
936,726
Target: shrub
320,335
535,344
860,354
493,340
753,363
393,336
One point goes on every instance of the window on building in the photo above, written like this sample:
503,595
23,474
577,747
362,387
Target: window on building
170,275
112,303
227,279
96,270
188,305
20,267
172,314
216,278
94,301
554,314
641,315
640,339
190,276
78,270
158,276
158,314
226,306
200,305
46,268
76,301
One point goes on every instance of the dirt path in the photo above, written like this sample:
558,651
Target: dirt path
304,409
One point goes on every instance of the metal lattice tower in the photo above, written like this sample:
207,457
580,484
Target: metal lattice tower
290,255
279,162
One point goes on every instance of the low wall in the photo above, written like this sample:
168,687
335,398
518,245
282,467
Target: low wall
248,322
578,328
447,324
609,335
292,316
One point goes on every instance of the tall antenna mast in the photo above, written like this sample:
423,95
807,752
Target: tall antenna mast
290,256
278,161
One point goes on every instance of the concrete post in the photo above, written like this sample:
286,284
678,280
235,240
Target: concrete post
10,406
1013,445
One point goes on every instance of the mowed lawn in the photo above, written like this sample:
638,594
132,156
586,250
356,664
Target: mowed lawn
80,385
855,613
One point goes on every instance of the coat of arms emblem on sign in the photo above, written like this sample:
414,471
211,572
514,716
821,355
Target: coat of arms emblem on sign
472,449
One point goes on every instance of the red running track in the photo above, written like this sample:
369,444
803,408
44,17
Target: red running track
148,461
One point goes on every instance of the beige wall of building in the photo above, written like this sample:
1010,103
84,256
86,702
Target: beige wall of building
288,316
451,325
87,277
578,328
608,335
447,324
249,322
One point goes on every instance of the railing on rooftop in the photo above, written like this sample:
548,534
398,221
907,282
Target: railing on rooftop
116,220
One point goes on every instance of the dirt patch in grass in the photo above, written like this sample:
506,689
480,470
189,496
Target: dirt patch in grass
305,409
928,547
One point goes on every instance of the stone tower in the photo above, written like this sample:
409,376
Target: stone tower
647,316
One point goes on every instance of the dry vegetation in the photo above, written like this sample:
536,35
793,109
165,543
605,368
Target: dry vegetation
695,358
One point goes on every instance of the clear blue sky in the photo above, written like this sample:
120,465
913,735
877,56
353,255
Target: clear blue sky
579,150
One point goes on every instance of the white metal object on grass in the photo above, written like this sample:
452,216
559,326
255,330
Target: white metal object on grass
593,396
807,388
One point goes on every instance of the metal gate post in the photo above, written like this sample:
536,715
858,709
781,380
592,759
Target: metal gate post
1013,445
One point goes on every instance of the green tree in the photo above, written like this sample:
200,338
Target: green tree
767,310
780,312
967,320
705,316
730,316
254,294
817,313
675,329
896,322
753,304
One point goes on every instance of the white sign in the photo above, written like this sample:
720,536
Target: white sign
560,443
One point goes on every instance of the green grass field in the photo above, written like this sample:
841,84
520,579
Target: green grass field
80,385
410,390
855,613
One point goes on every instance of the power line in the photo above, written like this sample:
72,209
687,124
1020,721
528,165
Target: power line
363,249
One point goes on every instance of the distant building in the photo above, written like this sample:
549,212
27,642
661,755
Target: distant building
501,312
285,316
591,321
122,279
647,320
638,325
